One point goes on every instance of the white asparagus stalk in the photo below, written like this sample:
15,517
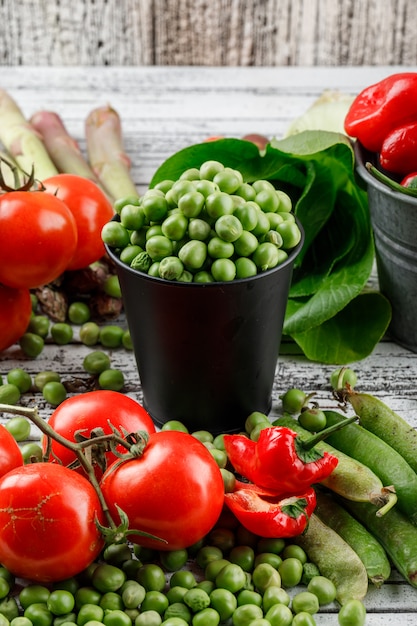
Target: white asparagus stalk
106,153
63,149
22,141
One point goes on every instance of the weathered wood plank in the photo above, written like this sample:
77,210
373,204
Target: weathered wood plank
198,32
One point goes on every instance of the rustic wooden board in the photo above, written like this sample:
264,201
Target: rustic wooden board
163,110
197,32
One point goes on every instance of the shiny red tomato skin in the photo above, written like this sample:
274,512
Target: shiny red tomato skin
10,455
38,238
174,491
93,409
15,312
91,210
47,522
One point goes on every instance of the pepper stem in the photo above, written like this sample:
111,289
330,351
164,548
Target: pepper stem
376,173
310,442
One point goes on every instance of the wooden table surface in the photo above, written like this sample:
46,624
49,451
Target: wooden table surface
164,109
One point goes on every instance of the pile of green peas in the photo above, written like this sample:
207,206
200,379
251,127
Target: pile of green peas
230,577
207,226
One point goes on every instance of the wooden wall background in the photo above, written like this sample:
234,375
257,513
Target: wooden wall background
208,32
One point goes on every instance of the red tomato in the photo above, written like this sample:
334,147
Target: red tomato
91,210
47,522
15,312
38,238
93,409
174,491
10,455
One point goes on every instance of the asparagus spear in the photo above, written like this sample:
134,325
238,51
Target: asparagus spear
106,153
22,141
63,149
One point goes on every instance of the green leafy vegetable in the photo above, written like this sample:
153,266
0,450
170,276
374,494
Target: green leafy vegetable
328,315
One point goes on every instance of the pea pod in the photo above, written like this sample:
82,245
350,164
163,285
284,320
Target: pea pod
335,559
377,417
386,462
350,478
369,549
396,534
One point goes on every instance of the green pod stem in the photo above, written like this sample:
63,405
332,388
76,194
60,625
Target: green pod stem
367,547
377,417
396,534
381,458
335,559
350,478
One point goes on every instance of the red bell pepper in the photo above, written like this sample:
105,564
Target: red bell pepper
398,152
271,515
410,181
380,108
280,460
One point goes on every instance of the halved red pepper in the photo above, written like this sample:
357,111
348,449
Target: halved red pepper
381,107
280,460
269,515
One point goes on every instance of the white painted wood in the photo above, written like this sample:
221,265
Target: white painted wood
197,32
164,109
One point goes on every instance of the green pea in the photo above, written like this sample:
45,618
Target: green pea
111,379
17,376
44,377
303,619
219,456
178,610
192,173
291,571
112,286
265,256
60,602
223,270
275,595
31,452
182,578
152,577
268,200
31,344
203,277
132,217
142,262
155,207
174,425
224,602
268,557
290,233
222,538
33,594
115,235
39,614
228,228
78,313
155,600
193,254
275,545
4,588
262,225
19,427
305,601
158,247
285,202
68,584
231,577
246,614
264,576
191,203
54,393
9,608
96,362
219,203
19,621
39,324
196,599
111,336
198,229
173,560
121,202
175,226
89,612
249,596
246,191
86,595
352,613
171,268
107,577
323,588
294,551
129,253
206,617
148,618
243,556
207,554
209,169
228,180
247,214
9,394
89,333
219,249
279,615
246,244
111,601
61,333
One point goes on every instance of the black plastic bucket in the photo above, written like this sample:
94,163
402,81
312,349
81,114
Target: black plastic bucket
394,223
206,353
